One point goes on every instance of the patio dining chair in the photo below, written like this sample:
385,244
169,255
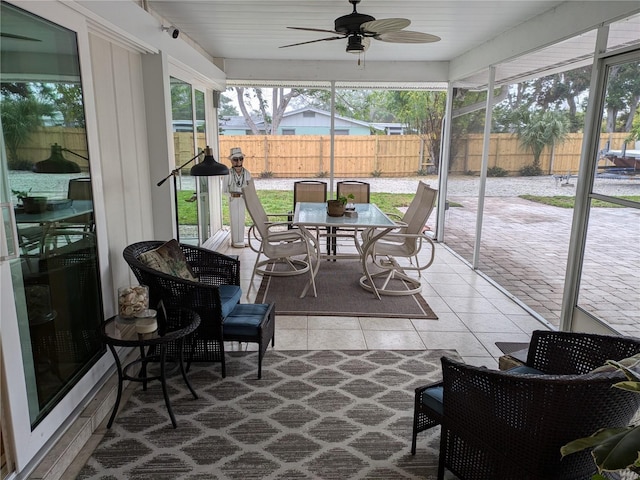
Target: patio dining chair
405,242
511,424
281,251
361,194
308,191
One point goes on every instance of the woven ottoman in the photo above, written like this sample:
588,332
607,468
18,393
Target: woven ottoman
252,323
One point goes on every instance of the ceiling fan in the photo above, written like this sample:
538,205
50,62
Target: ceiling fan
359,29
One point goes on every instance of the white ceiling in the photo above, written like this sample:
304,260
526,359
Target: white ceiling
245,35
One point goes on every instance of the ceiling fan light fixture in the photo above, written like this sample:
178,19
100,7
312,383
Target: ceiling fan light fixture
354,44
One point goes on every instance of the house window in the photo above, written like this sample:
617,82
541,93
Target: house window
341,131
288,131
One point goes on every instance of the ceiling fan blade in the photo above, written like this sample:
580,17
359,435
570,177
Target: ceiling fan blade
19,37
385,25
313,29
312,41
406,36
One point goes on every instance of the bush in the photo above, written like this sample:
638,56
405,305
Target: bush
531,170
322,174
19,165
376,173
496,172
266,174
423,172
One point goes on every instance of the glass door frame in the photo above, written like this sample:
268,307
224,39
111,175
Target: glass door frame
214,223
573,317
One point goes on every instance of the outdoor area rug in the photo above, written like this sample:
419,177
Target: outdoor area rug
313,415
339,294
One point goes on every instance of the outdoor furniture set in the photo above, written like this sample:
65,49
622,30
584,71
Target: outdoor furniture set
207,283
511,424
292,248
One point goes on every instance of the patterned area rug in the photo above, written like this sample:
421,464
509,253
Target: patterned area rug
339,294
313,415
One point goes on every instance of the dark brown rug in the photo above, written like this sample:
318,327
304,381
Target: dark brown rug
314,415
339,294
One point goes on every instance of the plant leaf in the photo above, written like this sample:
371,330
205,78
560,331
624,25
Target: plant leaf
591,441
618,451
630,386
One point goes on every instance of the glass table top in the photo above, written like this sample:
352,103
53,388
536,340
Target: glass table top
315,214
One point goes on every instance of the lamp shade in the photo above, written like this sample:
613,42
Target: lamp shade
209,167
56,163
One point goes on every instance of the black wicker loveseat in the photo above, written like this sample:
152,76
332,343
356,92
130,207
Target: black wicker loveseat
511,424
213,296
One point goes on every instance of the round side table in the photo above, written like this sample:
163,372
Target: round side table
121,332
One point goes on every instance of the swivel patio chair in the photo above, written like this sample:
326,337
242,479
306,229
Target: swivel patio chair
286,251
511,424
213,294
406,241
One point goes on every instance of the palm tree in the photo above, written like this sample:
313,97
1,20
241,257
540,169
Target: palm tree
537,130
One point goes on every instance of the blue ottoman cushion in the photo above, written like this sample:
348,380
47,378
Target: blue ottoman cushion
245,319
229,296
432,398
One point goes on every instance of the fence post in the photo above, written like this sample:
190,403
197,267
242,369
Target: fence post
266,154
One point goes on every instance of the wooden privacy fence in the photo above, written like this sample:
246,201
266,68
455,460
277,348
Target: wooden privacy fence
309,156
395,155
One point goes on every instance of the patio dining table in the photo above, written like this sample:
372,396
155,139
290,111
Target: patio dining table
313,215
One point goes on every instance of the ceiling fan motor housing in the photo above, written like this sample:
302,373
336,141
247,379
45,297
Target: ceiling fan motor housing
351,23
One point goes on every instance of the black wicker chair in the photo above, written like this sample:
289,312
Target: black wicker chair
505,425
204,297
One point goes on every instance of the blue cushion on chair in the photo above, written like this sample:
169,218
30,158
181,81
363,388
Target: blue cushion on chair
229,296
523,369
245,319
432,398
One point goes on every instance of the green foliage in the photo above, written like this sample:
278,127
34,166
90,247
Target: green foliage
539,129
20,117
423,172
322,174
376,173
21,194
531,170
569,202
344,200
281,202
496,172
266,174
613,449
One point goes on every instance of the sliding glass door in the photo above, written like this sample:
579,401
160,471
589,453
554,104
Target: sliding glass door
47,173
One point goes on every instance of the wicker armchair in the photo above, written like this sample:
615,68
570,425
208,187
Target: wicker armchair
506,425
204,297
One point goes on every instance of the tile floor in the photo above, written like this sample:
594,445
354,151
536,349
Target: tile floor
472,315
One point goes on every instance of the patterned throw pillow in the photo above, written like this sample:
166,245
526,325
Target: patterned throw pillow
629,362
168,258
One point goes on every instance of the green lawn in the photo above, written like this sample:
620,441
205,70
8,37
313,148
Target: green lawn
281,201
569,202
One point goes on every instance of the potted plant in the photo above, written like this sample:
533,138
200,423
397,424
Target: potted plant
31,204
335,208
613,449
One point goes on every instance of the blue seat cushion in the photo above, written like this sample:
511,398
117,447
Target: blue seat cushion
245,319
229,296
432,398
525,370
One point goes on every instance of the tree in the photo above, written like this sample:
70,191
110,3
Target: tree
537,130
226,107
20,117
280,99
623,96
420,111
